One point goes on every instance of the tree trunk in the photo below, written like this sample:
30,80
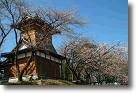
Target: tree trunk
20,75
25,68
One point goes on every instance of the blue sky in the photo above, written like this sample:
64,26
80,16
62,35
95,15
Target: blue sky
107,19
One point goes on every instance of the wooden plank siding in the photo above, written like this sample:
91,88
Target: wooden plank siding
39,66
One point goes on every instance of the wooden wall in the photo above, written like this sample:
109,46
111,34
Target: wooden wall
47,67
39,66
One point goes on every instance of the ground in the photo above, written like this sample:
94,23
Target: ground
42,82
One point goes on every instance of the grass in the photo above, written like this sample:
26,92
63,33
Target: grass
44,82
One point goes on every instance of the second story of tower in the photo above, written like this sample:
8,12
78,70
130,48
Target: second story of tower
36,32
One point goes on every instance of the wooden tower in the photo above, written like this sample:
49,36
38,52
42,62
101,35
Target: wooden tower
46,61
